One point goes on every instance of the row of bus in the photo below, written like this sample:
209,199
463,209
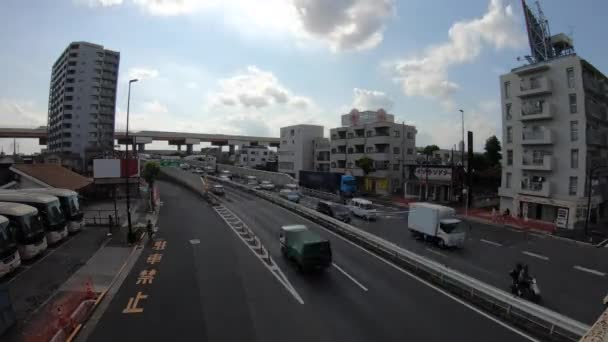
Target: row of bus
32,219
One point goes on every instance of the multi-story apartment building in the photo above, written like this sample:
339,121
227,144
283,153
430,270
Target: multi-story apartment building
375,135
82,102
254,156
555,126
296,148
321,151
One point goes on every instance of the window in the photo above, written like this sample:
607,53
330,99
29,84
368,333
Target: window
574,158
508,180
396,150
369,149
509,134
252,159
509,157
508,111
369,133
396,167
410,151
573,130
507,89
333,165
397,133
292,132
573,108
570,77
573,186
410,135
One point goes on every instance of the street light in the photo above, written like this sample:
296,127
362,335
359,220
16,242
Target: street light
462,146
130,237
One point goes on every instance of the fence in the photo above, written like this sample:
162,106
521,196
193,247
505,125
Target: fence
100,217
538,320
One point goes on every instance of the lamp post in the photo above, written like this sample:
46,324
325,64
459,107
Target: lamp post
462,141
130,237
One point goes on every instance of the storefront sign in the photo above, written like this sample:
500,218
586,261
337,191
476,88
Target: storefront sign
562,218
434,173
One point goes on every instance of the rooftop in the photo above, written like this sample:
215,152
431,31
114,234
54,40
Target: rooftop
52,175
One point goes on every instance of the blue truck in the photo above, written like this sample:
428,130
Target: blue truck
336,183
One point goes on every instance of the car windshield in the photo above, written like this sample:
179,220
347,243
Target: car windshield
27,225
6,238
69,205
366,206
455,227
350,182
53,213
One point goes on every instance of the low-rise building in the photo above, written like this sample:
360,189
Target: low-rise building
296,148
253,156
322,154
374,135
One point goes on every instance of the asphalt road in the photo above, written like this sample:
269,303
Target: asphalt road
573,277
210,286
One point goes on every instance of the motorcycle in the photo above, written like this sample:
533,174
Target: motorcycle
530,291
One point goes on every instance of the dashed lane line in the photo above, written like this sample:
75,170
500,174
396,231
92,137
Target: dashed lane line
491,242
589,270
435,252
349,277
534,255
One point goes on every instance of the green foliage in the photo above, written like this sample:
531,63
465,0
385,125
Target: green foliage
150,172
366,164
429,149
492,151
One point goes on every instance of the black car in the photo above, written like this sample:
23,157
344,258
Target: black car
334,210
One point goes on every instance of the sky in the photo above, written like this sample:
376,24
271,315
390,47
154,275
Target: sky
251,67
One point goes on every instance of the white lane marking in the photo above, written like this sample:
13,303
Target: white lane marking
435,252
534,255
491,242
538,235
415,277
195,241
349,277
273,267
589,270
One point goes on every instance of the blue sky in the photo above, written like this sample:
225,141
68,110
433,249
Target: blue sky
249,67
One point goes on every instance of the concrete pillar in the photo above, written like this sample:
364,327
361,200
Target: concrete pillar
231,149
188,149
179,147
141,148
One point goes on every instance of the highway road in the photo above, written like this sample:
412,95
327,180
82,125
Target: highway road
209,285
573,276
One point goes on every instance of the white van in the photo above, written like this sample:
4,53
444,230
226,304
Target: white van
49,210
69,205
251,180
9,252
26,227
362,208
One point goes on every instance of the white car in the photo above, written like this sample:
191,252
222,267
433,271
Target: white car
198,171
362,208
184,166
267,185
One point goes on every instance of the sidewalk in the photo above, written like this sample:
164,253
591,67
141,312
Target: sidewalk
63,312
485,216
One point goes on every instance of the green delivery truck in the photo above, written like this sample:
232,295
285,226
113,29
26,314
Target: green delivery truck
305,248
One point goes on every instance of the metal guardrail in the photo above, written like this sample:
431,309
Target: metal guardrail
524,314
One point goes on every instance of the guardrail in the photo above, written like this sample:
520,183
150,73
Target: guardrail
526,315
320,194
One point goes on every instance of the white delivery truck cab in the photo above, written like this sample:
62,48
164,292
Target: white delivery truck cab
69,205
436,223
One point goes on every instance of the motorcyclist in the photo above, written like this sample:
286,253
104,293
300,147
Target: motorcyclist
515,276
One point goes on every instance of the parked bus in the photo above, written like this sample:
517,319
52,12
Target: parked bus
69,205
49,210
9,253
26,228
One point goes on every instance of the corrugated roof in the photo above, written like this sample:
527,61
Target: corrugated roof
54,175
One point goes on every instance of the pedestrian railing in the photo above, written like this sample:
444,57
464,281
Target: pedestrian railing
526,315
100,217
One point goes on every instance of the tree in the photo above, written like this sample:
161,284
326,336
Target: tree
366,164
150,173
493,149
429,149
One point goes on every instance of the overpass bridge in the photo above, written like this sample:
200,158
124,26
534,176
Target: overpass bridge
141,138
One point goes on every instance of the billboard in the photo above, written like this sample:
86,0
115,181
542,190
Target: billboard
434,173
115,168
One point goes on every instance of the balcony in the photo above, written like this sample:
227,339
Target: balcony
537,111
535,86
544,164
596,138
378,139
542,189
542,136
595,111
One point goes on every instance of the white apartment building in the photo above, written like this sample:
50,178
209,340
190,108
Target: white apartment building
321,151
296,148
555,125
373,134
82,102
254,156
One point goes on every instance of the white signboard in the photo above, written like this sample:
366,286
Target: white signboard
562,218
106,168
434,173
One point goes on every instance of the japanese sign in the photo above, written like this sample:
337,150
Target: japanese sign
434,173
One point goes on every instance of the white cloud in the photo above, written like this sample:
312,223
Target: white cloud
20,113
371,100
155,107
345,24
192,85
142,73
427,75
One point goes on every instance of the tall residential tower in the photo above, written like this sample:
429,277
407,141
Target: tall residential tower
82,103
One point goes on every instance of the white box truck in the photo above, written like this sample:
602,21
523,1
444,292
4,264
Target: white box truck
436,223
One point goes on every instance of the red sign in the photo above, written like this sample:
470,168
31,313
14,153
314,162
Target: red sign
129,167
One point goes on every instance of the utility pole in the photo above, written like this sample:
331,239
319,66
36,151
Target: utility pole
127,160
403,157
